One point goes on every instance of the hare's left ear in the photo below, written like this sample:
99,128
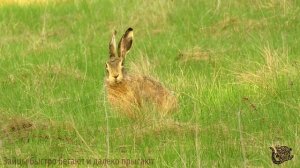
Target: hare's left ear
125,43
112,45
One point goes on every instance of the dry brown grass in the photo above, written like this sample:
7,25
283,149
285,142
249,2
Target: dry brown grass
195,54
60,70
28,2
275,65
142,66
41,79
150,14
285,5
232,24
146,14
155,127
40,74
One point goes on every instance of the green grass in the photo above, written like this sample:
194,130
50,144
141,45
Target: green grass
234,65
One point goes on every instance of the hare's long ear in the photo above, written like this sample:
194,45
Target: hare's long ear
112,45
125,43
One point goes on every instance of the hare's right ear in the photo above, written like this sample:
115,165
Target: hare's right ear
112,45
125,43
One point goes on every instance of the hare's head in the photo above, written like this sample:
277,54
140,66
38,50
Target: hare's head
115,64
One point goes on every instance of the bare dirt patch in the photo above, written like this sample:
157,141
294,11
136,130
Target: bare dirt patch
16,128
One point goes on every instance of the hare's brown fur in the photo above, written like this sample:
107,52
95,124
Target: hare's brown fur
130,92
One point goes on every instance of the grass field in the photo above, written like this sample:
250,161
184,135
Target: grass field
233,64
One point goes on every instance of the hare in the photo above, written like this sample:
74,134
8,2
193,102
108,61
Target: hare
129,92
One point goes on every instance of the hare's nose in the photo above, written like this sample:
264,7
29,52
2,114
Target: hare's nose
115,76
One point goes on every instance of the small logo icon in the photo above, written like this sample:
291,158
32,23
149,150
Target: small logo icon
281,154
